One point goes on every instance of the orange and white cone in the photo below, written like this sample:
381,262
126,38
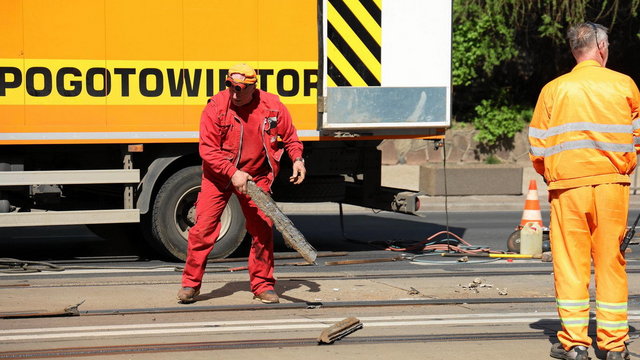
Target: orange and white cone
531,211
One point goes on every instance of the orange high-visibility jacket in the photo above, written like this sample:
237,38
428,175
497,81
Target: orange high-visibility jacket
585,127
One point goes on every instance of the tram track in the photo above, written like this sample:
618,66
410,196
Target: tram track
263,343
297,276
18,283
296,306
437,267
342,273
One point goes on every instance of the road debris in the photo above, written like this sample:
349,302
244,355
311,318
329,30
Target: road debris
339,330
11,266
413,291
366,261
71,310
475,285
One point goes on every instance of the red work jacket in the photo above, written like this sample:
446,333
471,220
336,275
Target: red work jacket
222,136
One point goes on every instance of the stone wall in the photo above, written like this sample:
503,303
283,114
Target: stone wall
469,174
460,147
462,151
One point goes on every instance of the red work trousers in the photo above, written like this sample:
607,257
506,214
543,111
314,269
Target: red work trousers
202,236
589,222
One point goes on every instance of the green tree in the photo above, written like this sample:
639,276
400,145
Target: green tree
504,51
479,45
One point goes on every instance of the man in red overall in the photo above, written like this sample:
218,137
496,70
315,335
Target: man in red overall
239,131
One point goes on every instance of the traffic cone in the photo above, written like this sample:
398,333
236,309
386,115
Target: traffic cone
531,211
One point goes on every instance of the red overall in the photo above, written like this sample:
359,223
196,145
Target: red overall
224,141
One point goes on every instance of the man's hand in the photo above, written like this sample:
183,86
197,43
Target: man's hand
239,181
299,172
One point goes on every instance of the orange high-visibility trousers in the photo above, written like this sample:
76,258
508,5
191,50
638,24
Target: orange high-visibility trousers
587,223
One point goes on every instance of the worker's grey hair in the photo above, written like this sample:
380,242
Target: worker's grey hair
583,36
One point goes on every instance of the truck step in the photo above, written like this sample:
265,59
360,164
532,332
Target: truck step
46,218
117,176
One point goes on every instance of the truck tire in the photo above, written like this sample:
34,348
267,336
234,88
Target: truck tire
173,215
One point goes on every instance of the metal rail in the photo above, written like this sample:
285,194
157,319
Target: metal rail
261,344
297,306
301,274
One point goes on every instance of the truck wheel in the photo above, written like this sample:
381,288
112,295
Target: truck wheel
174,213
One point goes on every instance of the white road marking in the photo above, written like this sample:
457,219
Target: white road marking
275,324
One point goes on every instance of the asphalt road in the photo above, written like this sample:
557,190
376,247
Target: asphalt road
409,310
364,231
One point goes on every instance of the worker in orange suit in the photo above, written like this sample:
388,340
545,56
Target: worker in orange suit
582,137
240,132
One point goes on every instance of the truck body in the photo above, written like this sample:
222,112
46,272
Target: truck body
100,103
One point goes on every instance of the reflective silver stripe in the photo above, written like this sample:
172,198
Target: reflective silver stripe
536,151
636,140
139,135
588,144
572,304
613,325
576,322
636,124
537,133
579,126
611,307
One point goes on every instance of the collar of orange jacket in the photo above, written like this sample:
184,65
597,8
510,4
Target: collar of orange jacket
586,63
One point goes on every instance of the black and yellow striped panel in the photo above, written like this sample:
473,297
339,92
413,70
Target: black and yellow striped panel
354,42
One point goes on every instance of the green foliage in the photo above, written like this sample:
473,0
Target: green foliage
495,121
520,45
550,28
479,45
492,160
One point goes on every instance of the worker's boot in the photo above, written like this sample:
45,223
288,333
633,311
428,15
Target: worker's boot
186,295
268,297
576,352
618,355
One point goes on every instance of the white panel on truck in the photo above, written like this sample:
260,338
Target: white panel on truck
387,66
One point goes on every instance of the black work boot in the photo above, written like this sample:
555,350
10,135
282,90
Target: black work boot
618,355
576,352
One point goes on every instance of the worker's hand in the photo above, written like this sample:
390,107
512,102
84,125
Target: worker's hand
239,181
299,172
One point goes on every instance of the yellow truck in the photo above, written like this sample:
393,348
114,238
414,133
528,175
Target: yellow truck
100,102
